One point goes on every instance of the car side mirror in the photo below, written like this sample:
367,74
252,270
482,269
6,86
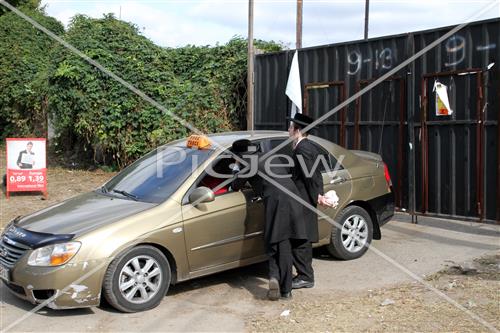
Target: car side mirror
200,195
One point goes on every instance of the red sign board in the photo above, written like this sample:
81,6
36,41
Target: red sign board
26,165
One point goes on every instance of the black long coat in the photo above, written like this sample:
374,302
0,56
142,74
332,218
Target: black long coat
309,186
283,215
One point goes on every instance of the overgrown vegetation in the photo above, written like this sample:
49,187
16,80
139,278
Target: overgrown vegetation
97,118
25,4
24,62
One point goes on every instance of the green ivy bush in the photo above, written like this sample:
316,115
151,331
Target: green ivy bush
203,85
24,62
99,120
25,4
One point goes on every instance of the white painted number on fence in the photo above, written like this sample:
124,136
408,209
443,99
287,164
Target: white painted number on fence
455,48
383,60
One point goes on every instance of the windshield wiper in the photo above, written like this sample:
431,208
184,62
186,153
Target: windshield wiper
104,189
128,195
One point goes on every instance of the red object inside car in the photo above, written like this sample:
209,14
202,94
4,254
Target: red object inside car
212,182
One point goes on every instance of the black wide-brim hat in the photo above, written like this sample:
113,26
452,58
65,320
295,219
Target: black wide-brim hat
243,146
301,119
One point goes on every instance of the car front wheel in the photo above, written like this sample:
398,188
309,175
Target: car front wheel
137,280
351,241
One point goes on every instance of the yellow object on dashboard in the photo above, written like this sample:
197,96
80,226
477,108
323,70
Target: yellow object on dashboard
198,141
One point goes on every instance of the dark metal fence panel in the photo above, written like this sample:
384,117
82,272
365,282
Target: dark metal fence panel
446,166
271,72
380,119
491,36
492,143
371,122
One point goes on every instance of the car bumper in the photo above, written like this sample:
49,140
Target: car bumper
383,207
69,286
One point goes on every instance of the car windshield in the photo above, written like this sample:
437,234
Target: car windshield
157,175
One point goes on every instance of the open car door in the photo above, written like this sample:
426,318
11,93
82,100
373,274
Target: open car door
226,230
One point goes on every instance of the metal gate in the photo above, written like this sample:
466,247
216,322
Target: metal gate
452,146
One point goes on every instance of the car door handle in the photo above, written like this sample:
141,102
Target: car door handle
337,180
256,199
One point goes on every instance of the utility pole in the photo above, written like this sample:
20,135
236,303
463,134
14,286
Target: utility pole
250,82
367,12
299,25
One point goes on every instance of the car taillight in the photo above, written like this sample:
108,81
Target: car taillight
387,175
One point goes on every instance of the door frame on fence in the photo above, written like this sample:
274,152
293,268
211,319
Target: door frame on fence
325,85
479,122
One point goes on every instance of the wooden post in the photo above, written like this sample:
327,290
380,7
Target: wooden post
250,79
367,13
299,25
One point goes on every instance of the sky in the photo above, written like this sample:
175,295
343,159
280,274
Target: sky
175,23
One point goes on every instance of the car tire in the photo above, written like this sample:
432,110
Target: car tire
130,286
351,241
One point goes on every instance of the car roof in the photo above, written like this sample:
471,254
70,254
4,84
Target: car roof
226,139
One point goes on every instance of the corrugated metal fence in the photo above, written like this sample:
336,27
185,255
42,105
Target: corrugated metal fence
440,165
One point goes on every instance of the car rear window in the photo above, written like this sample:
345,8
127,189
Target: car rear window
288,150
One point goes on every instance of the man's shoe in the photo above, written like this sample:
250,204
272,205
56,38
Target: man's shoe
298,284
287,295
274,289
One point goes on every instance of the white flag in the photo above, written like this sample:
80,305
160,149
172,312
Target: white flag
293,86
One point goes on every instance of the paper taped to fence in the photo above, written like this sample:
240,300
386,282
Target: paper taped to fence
442,102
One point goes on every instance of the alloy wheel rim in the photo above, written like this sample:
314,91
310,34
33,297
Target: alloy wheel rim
354,233
140,279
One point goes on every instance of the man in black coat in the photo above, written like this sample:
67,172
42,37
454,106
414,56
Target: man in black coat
310,186
282,215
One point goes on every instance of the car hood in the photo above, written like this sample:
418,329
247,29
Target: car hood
81,214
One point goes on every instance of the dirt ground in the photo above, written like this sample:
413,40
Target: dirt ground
409,307
62,184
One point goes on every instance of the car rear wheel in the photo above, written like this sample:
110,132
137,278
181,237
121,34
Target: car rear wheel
137,280
352,240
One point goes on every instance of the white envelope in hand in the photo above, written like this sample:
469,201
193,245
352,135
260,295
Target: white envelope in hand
332,198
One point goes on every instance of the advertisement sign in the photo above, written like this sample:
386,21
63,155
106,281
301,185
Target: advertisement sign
26,165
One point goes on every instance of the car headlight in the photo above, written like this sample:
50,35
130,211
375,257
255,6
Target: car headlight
54,255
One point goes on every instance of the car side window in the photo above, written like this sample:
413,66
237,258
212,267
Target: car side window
262,147
221,172
288,150
332,161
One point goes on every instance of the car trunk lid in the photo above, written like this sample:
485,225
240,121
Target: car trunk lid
367,155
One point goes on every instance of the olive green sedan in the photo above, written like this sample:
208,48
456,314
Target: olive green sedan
172,216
